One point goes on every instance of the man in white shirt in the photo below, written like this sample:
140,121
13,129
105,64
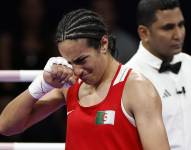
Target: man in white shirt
160,58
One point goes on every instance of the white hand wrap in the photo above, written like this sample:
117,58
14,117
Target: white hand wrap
56,60
39,87
59,61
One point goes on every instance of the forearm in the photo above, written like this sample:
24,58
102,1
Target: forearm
24,111
15,115
49,103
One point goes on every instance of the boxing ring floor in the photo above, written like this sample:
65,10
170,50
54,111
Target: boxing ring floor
25,76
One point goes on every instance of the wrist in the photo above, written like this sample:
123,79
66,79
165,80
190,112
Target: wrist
39,87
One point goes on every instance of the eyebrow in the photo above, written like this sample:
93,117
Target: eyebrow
171,25
75,61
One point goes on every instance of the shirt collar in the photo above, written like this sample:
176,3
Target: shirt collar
148,57
151,59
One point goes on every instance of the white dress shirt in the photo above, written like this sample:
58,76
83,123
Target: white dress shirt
176,103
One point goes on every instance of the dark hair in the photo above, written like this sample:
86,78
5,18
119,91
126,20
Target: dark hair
146,10
83,23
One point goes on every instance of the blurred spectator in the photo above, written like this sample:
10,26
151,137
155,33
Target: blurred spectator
32,41
126,43
28,46
5,59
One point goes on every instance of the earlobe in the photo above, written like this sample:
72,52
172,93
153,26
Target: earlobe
143,33
104,43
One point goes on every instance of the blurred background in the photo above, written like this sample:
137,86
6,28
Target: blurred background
27,30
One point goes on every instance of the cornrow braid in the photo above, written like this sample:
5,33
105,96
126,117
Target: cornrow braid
83,23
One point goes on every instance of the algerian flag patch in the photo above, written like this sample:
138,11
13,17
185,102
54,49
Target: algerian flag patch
105,117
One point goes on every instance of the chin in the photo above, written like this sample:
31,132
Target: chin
177,51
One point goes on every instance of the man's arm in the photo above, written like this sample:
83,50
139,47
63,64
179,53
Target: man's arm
142,102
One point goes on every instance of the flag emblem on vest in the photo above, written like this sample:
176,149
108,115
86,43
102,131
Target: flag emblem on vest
105,117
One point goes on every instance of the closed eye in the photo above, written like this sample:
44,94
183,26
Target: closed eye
168,27
172,26
80,60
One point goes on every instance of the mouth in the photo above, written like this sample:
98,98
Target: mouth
177,46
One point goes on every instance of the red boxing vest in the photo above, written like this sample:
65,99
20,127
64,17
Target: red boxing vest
103,126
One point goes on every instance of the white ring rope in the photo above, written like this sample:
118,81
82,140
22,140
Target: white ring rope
32,146
18,75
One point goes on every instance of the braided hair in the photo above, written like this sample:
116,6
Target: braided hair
83,23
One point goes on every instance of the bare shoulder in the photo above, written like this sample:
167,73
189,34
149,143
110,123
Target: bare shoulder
139,82
139,93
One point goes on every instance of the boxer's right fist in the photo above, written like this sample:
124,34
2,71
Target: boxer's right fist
57,73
